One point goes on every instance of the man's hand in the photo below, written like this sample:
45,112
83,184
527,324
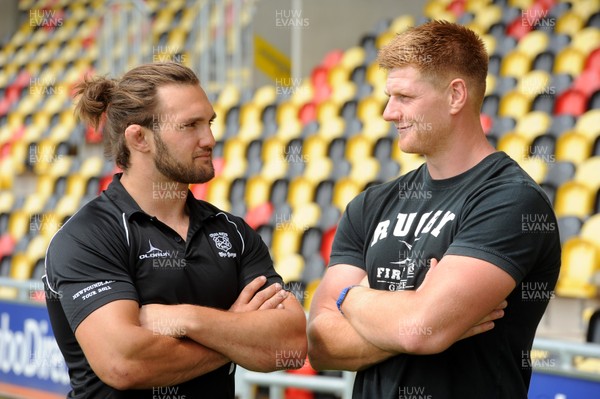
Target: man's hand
251,298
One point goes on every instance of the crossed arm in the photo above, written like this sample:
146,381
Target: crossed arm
126,353
460,297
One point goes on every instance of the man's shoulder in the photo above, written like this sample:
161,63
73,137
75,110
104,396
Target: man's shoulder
99,214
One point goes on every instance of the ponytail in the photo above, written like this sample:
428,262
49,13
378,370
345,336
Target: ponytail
94,98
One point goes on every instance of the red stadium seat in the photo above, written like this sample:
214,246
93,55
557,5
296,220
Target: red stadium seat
308,113
519,27
332,58
570,102
588,82
592,62
259,215
326,242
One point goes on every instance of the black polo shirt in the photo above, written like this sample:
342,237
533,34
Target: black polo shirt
112,250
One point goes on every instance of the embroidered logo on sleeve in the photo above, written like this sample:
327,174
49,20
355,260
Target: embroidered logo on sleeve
223,244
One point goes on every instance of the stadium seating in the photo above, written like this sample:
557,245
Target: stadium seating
304,155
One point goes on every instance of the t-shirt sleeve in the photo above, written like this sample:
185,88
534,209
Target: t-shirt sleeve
507,225
256,260
349,241
87,270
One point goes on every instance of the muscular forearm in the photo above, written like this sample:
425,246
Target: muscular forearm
335,345
400,323
262,340
154,360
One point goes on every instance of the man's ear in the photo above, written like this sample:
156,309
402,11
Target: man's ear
458,96
137,138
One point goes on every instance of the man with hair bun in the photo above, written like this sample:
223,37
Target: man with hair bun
160,293
438,279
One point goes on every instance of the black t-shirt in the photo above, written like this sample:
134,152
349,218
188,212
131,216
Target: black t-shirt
494,212
111,250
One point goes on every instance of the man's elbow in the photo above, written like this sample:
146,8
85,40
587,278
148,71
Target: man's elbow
420,343
120,375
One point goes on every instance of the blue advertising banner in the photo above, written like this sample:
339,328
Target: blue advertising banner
29,355
552,386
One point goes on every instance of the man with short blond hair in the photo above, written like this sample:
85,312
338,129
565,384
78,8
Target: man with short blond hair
422,266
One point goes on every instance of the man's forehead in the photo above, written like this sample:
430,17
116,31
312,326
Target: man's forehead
183,99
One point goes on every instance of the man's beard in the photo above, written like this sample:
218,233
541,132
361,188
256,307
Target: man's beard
175,170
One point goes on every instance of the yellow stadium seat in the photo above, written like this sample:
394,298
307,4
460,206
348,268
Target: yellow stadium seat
67,205
533,124
289,130
338,75
588,173
344,191
21,267
290,267
7,201
533,43
315,147
487,15
218,189
573,146
365,170
49,224
310,293
535,83
265,95
535,167
569,60
18,224
568,23
234,148
359,147
585,9
303,93
343,92
34,203
234,168
275,168
306,215
402,23
574,199
301,191
586,40
515,145
257,191
92,167
591,230
332,128
384,39
286,241
318,169
516,64
376,76
580,264
228,97
36,249
589,124
353,57
490,42
514,104
369,108
327,109
287,111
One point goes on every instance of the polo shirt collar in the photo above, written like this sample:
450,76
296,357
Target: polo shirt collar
199,211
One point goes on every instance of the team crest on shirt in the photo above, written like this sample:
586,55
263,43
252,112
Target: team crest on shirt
223,244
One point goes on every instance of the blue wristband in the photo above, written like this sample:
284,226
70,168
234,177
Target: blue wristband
342,296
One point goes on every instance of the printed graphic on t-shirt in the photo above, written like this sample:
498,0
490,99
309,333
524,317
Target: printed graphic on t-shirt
401,273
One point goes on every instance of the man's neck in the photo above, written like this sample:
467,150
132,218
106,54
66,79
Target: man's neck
163,199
